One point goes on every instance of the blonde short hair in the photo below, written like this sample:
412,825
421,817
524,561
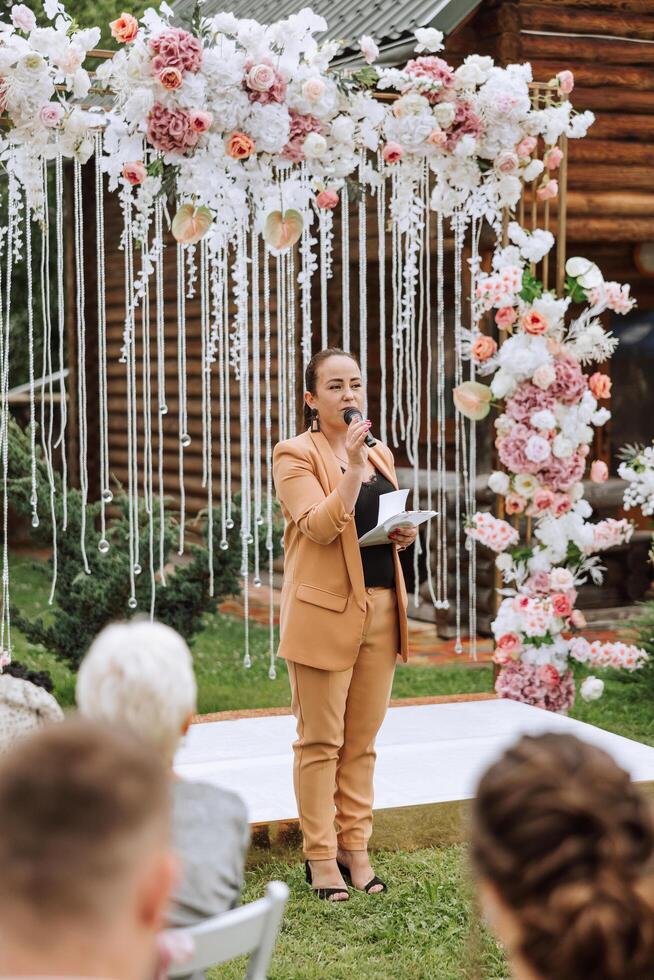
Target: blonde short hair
139,675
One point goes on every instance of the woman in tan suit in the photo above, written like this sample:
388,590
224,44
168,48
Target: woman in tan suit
343,620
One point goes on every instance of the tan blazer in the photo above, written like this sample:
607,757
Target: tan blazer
323,607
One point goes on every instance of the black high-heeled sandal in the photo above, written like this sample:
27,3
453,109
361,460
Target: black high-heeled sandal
324,893
347,874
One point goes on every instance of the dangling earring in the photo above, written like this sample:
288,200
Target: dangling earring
315,421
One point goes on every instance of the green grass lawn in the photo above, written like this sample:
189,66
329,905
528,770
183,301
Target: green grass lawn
426,927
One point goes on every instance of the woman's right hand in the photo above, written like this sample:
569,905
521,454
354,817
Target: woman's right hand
357,451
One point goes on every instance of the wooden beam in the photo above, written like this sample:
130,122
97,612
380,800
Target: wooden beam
615,203
599,51
605,98
581,6
563,17
618,125
608,176
610,151
594,76
609,230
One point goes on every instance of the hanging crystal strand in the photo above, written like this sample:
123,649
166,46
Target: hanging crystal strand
5,324
441,455
272,672
106,496
81,356
256,407
46,371
229,521
127,357
207,421
146,382
307,268
280,284
182,419
244,366
162,407
61,327
363,280
472,455
204,351
428,383
417,375
381,252
459,429
323,216
396,244
345,260
291,347
223,389
34,502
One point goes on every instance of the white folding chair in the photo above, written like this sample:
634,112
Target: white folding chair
250,929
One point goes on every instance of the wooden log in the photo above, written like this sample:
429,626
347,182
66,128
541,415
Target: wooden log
581,6
617,125
608,229
617,203
586,48
614,151
605,99
608,176
618,76
562,17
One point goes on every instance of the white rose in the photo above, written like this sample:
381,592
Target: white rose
343,129
444,113
314,146
313,89
543,419
498,482
601,416
411,104
562,447
533,170
561,579
525,484
429,39
544,376
503,562
537,449
22,18
592,689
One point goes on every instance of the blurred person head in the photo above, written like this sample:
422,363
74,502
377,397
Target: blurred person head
139,676
562,846
333,383
85,864
25,703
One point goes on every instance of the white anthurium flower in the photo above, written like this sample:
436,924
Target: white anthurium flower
429,39
601,416
586,273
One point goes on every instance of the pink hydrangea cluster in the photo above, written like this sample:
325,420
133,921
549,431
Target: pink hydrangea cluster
466,122
431,69
492,532
562,474
528,399
570,383
622,656
301,126
499,288
617,297
512,450
611,532
543,686
176,48
170,130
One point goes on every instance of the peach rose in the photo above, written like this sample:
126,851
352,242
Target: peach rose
566,81
509,644
533,323
437,137
393,152
125,28
200,120
483,347
526,147
507,162
548,191
514,503
170,78
561,604
599,471
313,89
505,317
327,199
543,500
600,385
134,172
240,146
562,504
553,158
260,78
577,619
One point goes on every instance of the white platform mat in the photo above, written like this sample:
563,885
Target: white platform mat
430,753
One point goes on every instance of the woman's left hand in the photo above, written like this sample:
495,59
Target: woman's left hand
403,537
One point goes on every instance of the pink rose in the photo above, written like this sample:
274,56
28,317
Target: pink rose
260,78
577,619
483,347
566,81
537,449
200,120
437,137
313,89
170,78
526,147
51,114
599,471
505,317
23,18
533,323
369,49
544,376
548,191
507,162
392,152
240,146
514,503
543,500
538,584
134,172
562,505
561,605
600,385
124,29
327,199
553,158
509,644
549,675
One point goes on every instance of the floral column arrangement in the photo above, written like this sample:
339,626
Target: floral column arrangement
550,408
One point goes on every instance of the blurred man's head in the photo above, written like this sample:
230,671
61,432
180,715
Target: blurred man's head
85,865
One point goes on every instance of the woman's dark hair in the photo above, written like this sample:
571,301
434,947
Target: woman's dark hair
41,678
567,840
311,373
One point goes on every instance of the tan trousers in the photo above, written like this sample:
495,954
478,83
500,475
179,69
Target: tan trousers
338,716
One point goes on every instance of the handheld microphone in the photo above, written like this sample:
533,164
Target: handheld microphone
349,415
